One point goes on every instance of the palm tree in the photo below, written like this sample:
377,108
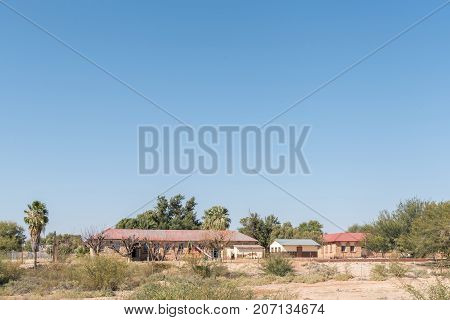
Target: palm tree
216,218
36,217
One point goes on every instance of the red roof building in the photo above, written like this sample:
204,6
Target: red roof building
140,244
178,235
343,237
343,245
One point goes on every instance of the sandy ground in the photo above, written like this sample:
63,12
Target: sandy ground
358,288
340,290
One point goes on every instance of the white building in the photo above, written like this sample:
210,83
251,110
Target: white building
248,251
306,248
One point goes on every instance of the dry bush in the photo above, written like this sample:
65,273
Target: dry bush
437,291
419,273
205,268
277,265
43,280
194,288
324,270
141,272
343,277
9,271
102,273
379,272
397,270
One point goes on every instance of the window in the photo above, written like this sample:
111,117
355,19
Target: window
343,248
352,248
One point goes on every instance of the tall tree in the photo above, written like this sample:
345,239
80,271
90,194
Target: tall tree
259,228
365,228
430,233
216,218
310,230
167,214
11,236
36,217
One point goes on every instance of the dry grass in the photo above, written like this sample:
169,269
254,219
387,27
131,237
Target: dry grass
191,288
109,278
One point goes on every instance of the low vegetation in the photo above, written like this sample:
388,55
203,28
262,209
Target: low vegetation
379,272
101,273
277,265
437,291
205,268
191,288
397,270
9,271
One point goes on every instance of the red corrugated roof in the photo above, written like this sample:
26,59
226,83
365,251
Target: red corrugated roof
344,237
177,235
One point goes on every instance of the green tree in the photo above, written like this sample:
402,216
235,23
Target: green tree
36,217
259,228
11,236
167,214
252,225
430,233
391,230
310,230
364,228
216,218
283,231
61,245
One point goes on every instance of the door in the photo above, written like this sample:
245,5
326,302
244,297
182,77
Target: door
299,251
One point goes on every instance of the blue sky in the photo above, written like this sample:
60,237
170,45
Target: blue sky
68,132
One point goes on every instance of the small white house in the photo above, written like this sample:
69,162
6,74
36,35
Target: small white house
306,248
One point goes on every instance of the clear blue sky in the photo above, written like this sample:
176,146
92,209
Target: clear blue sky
68,133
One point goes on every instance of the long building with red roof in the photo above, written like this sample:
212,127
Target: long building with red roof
140,244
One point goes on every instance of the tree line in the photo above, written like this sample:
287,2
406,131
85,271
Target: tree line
416,228
173,214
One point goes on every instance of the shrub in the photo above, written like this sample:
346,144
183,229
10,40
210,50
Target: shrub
379,272
205,268
277,265
325,271
397,270
9,271
196,288
343,277
437,291
310,278
419,273
81,251
102,273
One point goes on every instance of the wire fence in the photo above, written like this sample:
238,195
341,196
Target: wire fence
19,256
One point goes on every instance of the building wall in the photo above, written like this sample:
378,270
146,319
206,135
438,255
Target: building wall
334,250
141,253
244,253
276,247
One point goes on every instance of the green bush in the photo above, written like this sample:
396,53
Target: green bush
379,272
277,265
81,251
102,273
437,291
9,271
195,288
397,270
